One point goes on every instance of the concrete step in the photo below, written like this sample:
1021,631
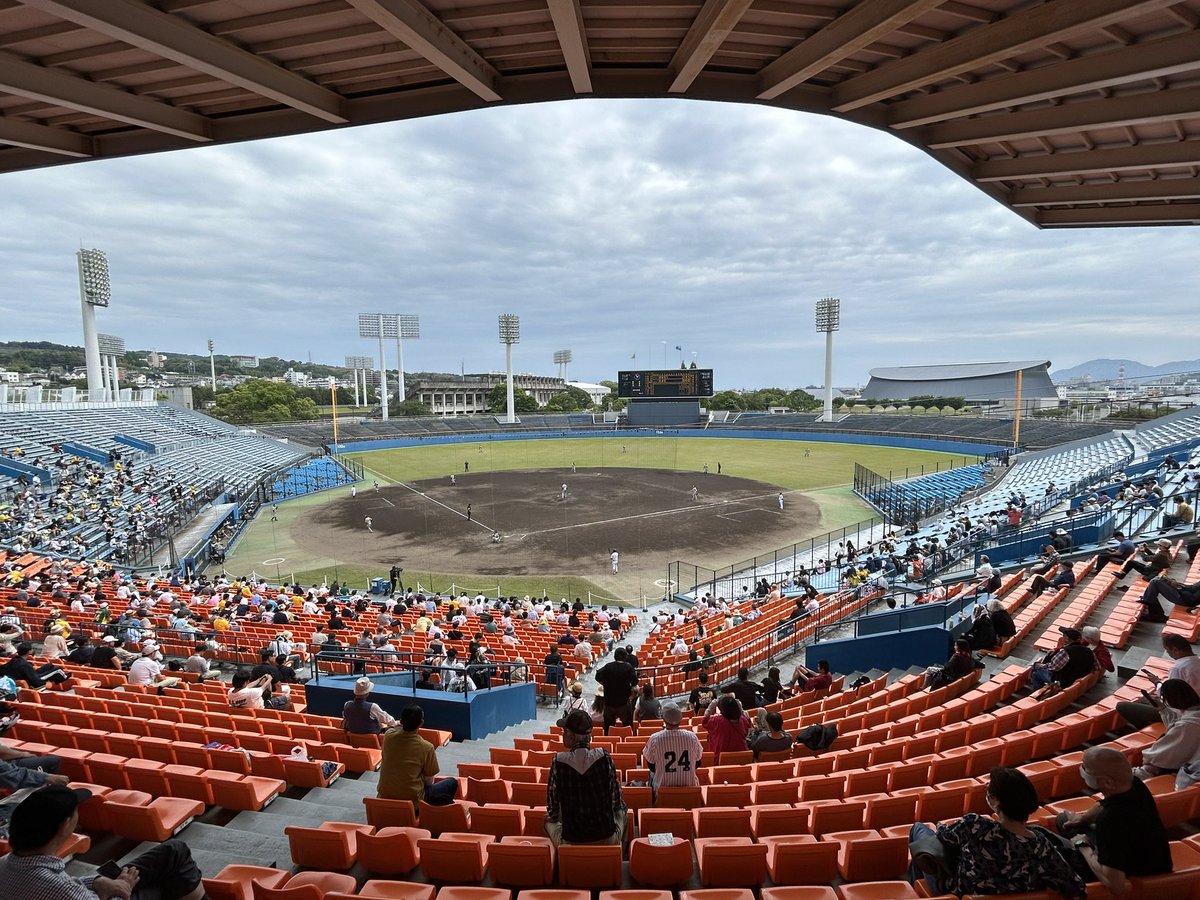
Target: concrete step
223,845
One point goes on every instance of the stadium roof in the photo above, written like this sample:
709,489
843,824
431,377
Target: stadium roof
1069,112
956,370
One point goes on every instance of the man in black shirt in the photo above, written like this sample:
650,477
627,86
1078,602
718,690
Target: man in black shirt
619,680
82,654
745,690
1122,836
701,695
105,656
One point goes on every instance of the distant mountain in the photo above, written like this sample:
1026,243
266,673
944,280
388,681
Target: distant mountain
1110,369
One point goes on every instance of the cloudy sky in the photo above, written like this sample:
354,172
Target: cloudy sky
612,228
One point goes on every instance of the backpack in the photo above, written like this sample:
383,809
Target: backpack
817,737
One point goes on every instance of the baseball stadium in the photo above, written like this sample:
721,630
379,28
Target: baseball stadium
666,653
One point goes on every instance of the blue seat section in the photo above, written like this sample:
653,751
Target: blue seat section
316,475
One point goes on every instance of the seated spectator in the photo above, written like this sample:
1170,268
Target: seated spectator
1122,835
982,634
648,707
198,663
1002,620
772,738
106,656
21,769
1155,560
360,715
771,686
673,755
245,693
1119,549
960,664
726,725
147,669
409,767
1063,667
980,855
1064,577
583,651
1095,642
1061,540
1178,705
746,691
429,680
54,645
41,826
19,668
805,679
1183,514
1186,596
583,792
83,652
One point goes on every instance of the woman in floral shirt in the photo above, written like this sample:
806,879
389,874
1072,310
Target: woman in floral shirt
1002,855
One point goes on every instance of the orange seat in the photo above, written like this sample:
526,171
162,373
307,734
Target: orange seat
866,855
776,792
243,792
389,890
527,793
835,815
524,861
498,819
636,895
800,859
236,882
390,851
455,856
717,894
589,866
772,819
721,822
731,861
390,813
454,816
148,820
727,794
488,790
677,822
305,886
884,810
878,890
333,845
660,866
799,893
554,894
680,797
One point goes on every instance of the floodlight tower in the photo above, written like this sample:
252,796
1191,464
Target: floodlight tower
408,328
561,358
94,290
111,348
212,365
379,325
829,317
354,363
510,333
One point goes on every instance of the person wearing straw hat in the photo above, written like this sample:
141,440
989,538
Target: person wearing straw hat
360,715
575,700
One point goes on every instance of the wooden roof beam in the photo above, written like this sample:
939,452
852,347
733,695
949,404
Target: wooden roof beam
414,25
572,38
60,88
1149,214
145,27
855,29
1116,112
1113,192
1153,59
1030,29
32,136
709,30
1089,162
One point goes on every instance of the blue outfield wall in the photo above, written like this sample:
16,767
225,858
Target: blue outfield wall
964,448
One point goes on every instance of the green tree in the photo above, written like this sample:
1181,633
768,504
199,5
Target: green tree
573,399
801,400
522,402
202,395
263,401
413,408
730,400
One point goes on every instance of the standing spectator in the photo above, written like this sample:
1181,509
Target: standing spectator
583,793
619,679
673,754
727,726
410,764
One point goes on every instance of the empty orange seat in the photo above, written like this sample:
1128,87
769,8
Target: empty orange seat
636,895
679,797
677,822
450,817
498,819
554,894
866,855
800,859
835,815
769,819
243,792
143,819
727,794
717,894
878,890
589,866
390,813
660,866
721,822
455,856
305,886
731,861
333,845
489,790
390,851
236,882
524,861
391,890
799,893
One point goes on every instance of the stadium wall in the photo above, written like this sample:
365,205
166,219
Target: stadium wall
965,448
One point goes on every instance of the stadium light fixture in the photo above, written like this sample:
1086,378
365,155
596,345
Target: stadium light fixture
561,358
111,349
510,333
829,319
212,364
357,364
408,328
380,326
95,289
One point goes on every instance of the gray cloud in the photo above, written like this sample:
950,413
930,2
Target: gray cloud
609,226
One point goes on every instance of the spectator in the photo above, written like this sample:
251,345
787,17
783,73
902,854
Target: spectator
198,663
727,726
1064,577
19,668
1179,745
982,634
575,700
805,679
22,769
83,652
619,679
410,764
41,826
771,687
360,715
1064,666
54,645
583,792
1122,835
1182,595
1182,515
772,738
1119,550
147,669
1093,640
245,693
960,664
746,691
1002,620
702,694
1155,560
1061,540
648,707
673,754
1186,667
106,656
1004,855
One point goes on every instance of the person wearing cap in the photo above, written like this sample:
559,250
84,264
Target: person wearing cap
673,754
106,656
147,670
409,767
360,715
43,823
1066,665
54,645
583,792
1155,560
1064,577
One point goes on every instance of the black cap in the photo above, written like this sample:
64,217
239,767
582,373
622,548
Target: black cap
1071,634
578,722
38,817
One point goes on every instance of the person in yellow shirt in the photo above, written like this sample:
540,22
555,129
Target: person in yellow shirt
410,764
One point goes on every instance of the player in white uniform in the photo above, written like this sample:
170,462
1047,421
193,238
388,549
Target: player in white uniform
781,499
673,754
367,521
615,557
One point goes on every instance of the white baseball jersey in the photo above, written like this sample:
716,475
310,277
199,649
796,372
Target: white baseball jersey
674,755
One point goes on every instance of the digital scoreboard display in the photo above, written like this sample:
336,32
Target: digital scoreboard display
664,384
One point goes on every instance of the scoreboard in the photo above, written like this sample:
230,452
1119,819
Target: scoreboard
665,384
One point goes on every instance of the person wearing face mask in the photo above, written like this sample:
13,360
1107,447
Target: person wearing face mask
980,855
1122,835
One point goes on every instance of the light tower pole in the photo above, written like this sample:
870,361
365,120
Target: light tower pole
94,290
561,358
829,315
212,365
379,325
111,348
355,364
408,328
510,333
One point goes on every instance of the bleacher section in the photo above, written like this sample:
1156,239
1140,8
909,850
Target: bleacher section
316,475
